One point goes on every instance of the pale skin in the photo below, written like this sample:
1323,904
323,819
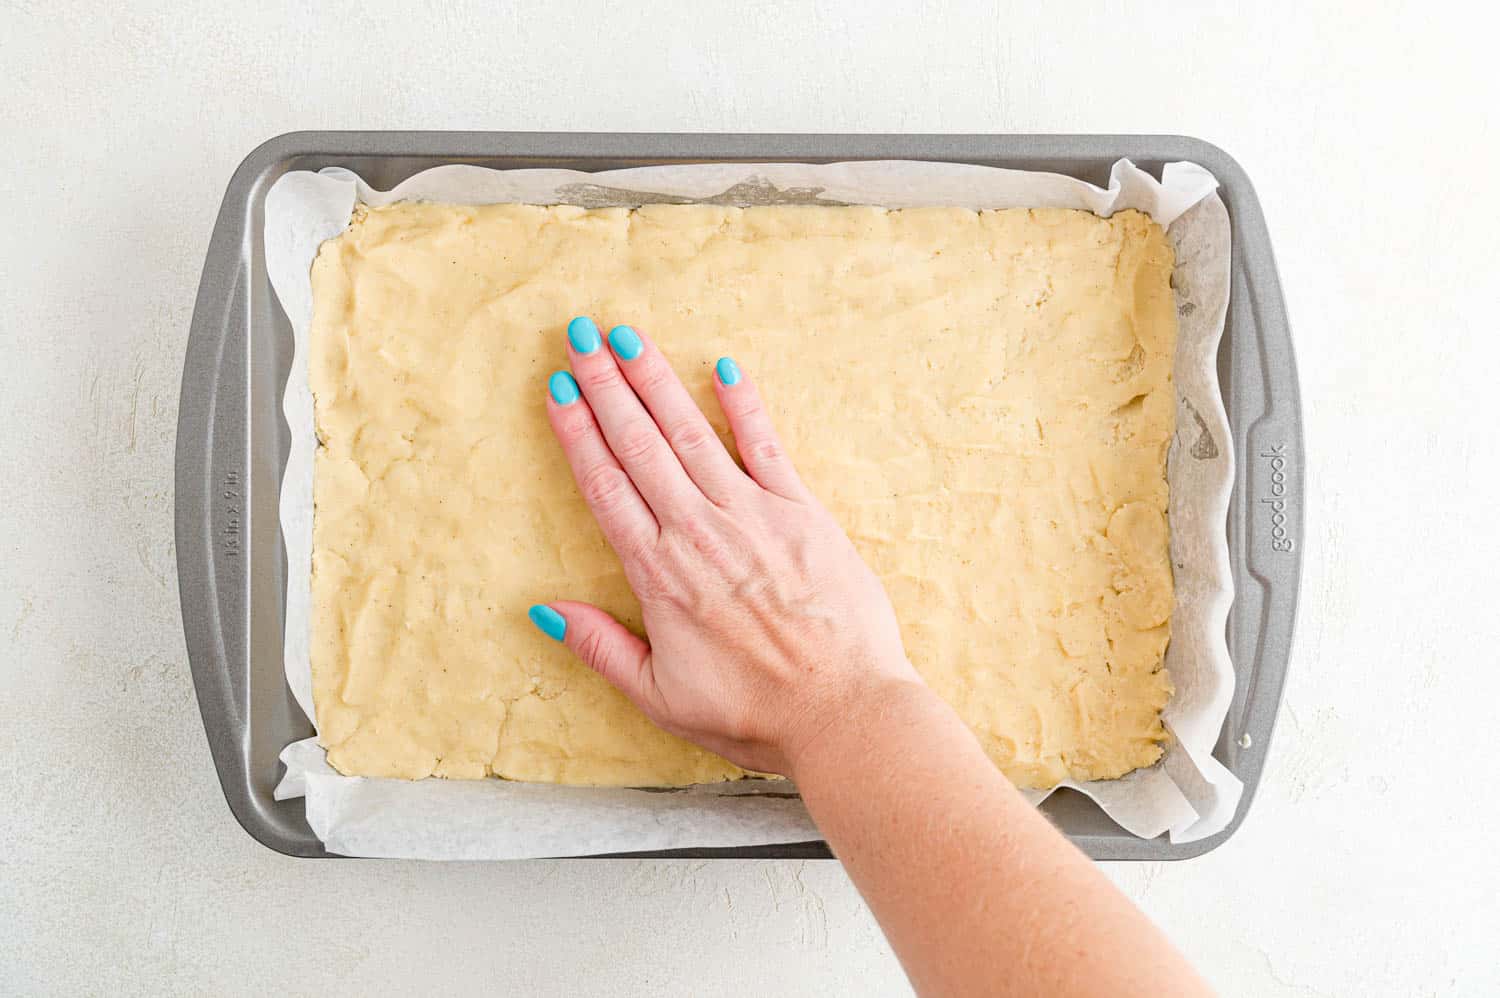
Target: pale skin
769,641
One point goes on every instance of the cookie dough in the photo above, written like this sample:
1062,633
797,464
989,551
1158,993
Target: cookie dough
984,400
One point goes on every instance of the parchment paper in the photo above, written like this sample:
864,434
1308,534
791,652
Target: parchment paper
1188,795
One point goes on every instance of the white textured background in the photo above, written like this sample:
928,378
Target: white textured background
1364,868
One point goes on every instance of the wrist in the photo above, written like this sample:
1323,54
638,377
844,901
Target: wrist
845,726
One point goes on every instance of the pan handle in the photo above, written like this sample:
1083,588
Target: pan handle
1267,513
211,500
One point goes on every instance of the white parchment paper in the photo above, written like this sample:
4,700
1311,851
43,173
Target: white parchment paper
1188,795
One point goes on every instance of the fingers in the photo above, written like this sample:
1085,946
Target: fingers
765,459
601,641
622,514
630,431
682,423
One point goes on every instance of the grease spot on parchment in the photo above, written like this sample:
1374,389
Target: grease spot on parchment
1204,448
748,192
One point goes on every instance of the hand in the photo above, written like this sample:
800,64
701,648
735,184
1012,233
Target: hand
763,624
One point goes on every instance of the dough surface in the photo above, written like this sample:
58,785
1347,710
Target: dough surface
984,400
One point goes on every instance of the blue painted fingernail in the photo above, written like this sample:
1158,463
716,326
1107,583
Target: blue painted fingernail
729,371
625,341
563,388
583,334
548,621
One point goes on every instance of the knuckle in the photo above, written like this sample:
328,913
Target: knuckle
747,407
597,653
637,443
701,537
591,648
766,450
689,437
637,550
601,378
656,376
575,427
604,487
682,602
650,578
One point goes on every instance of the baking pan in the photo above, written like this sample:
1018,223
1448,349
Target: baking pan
232,440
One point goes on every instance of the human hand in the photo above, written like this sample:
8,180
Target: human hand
764,624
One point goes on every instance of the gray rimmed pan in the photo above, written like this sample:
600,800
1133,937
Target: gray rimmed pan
232,440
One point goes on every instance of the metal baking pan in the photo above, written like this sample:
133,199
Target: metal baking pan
232,440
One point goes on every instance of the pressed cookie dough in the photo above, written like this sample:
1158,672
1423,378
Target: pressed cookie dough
984,400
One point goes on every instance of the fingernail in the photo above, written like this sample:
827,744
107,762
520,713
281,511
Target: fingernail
548,621
563,388
583,334
625,341
729,371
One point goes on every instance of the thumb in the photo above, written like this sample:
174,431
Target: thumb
602,642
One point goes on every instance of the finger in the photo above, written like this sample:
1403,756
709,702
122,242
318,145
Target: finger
602,642
619,509
630,431
682,423
754,436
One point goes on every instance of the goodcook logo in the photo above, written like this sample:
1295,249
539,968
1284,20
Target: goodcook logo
1275,502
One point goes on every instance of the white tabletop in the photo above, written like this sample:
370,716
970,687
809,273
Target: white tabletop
1364,866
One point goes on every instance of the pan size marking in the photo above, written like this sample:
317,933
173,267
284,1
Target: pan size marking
231,532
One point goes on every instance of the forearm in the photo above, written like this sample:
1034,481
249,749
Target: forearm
975,889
